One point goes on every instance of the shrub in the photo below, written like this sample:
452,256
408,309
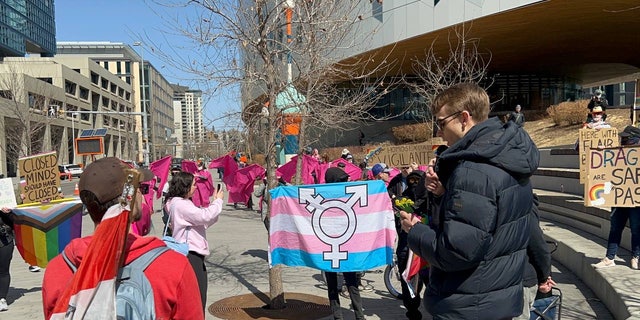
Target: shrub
569,112
412,133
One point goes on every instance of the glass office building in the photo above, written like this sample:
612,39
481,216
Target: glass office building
27,26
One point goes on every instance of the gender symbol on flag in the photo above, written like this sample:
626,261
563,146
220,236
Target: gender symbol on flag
316,205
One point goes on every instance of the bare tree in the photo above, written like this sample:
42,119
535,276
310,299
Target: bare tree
28,111
270,48
460,61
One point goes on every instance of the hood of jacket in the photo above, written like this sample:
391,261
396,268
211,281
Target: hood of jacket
503,145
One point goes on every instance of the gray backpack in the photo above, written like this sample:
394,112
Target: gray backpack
134,295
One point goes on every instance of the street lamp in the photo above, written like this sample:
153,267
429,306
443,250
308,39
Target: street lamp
73,135
143,106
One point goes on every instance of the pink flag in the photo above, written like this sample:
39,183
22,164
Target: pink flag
204,188
91,293
240,185
161,169
189,166
309,165
227,163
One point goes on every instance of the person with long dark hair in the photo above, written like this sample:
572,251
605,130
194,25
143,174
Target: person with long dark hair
189,223
6,253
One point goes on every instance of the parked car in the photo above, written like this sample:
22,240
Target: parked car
69,169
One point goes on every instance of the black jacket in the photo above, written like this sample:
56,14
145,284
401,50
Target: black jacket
478,251
539,267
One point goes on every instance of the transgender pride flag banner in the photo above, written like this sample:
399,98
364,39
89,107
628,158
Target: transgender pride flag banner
338,227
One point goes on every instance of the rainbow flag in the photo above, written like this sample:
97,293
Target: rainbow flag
43,230
338,227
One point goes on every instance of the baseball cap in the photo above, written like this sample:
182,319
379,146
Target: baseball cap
379,168
105,178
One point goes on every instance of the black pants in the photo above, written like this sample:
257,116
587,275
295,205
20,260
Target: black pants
197,263
412,304
6,253
351,280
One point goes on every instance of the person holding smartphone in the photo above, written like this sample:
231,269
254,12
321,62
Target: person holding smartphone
189,223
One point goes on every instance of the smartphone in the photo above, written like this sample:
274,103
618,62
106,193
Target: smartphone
218,188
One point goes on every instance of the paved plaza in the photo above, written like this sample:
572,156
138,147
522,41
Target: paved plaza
237,265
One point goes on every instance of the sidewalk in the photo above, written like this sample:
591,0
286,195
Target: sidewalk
237,265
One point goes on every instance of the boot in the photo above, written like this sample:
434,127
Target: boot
335,309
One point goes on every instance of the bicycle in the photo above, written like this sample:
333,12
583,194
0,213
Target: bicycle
393,279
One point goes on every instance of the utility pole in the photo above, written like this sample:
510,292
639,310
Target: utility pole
143,106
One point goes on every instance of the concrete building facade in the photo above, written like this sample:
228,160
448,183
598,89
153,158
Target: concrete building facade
47,102
153,96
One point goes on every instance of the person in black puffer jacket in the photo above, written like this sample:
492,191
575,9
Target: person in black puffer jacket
478,250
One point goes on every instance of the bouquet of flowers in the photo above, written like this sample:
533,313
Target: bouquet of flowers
403,204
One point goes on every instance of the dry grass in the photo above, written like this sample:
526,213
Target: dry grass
545,133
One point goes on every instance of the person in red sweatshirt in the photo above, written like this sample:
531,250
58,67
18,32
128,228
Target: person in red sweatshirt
175,288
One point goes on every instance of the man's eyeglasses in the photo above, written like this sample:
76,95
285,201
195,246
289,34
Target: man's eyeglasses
144,188
440,123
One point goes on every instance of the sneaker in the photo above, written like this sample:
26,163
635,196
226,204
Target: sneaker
634,263
367,288
604,263
3,305
34,269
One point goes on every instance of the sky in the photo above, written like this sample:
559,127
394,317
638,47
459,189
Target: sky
129,21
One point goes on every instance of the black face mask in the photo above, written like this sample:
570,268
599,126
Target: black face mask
144,188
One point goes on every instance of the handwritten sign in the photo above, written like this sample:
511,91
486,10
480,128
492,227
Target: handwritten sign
594,138
396,156
7,195
613,177
41,177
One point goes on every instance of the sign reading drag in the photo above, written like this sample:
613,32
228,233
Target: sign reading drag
594,138
613,176
41,177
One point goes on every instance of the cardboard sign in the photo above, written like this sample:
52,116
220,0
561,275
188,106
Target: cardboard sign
396,156
7,195
613,176
594,138
41,177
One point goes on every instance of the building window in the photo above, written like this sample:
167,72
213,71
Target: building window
69,87
623,98
47,80
94,78
623,88
84,93
105,84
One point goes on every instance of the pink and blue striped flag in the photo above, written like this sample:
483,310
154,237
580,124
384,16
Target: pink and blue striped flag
338,227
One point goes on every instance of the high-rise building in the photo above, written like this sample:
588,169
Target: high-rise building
191,122
27,26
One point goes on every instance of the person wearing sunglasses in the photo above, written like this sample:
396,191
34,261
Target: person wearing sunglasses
478,250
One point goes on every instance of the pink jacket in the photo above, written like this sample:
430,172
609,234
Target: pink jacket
187,220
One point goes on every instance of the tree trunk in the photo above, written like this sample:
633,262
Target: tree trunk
276,291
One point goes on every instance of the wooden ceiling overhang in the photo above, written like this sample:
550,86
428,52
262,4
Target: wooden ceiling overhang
584,40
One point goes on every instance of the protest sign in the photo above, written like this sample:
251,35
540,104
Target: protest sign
396,156
612,177
41,177
7,195
594,138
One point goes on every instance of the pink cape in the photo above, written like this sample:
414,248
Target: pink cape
239,182
309,168
354,172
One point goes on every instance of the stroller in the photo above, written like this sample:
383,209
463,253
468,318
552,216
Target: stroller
548,307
